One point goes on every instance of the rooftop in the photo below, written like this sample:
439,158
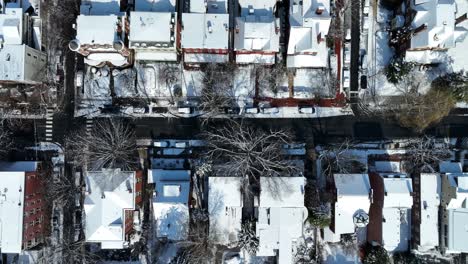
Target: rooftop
282,191
225,208
108,194
155,5
353,195
100,30
430,201
11,210
100,7
259,8
11,26
170,202
205,31
457,229
151,27
439,18
398,192
211,6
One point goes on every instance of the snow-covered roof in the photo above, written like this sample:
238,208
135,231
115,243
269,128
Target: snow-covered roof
282,191
256,33
457,231
398,192
430,201
387,166
21,63
19,166
101,30
100,7
155,5
11,26
450,167
439,18
11,210
458,182
108,194
205,31
259,8
148,28
277,229
353,195
281,216
170,202
396,213
208,6
225,208
310,21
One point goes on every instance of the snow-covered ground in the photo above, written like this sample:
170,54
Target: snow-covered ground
336,254
308,83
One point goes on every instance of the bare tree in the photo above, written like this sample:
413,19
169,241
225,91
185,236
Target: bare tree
425,153
69,252
217,90
337,158
6,143
247,238
271,78
60,188
111,144
245,151
198,248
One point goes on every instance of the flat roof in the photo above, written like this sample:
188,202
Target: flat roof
396,231
107,196
12,186
352,196
398,192
261,8
430,201
225,208
151,26
155,5
100,7
96,29
11,26
457,229
282,191
205,31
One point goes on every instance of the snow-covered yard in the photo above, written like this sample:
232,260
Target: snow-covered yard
308,83
336,254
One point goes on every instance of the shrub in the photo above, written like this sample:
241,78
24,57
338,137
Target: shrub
318,219
397,69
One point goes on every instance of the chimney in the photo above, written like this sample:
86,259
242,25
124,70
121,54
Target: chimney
319,10
419,29
461,18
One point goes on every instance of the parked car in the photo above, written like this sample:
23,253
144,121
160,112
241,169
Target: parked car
182,144
347,54
363,81
270,110
365,24
161,144
184,110
346,78
306,109
251,110
348,35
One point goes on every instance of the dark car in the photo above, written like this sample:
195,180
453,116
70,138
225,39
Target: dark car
363,81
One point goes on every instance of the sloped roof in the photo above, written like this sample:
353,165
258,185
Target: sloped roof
282,191
11,26
106,199
398,192
256,33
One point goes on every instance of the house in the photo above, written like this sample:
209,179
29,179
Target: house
22,60
170,202
154,30
434,29
256,37
281,215
396,212
205,32
309,21
101,32
225,208
430,194
351,208
111,201
455,212
24,213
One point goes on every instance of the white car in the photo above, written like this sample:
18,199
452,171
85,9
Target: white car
347,54
346,78
79,79
251,110
306,110
270,110
365,24
161,144
184,110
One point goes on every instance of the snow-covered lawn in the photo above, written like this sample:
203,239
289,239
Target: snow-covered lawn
244,85
311,82
336,254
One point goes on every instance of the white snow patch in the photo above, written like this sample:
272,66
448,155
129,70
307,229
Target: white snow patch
334,253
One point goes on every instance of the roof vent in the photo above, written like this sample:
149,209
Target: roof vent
74,45
118,45
251,10
210,28
319,10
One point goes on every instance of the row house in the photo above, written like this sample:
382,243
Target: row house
101,34
257,34
111,203
24,212
225,205
280,217
154,31
22,60
205,32
455,210
353,197
310,22
434,27
170,202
